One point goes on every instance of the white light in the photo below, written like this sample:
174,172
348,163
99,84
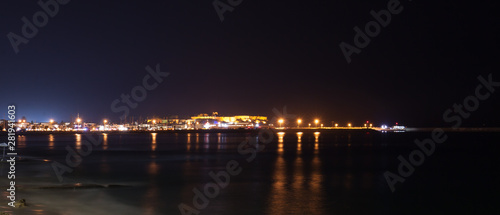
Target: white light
122,128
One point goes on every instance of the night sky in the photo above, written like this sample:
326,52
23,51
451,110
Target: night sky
264,55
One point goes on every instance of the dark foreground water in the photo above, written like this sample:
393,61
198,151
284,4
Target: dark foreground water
332,172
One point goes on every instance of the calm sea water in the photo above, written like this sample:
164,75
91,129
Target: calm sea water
332,172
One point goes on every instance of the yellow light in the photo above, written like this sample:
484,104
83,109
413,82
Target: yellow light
316,121
280,121
51,121
299,121
321,125
154,121
105,121
349,124
78,120
371,125
336,125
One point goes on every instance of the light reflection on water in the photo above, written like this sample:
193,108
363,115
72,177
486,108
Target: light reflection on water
294,165
21,141
296,180
281,135
150,200
51,141
206,140
78,142
104,141
299,141
153,141
343,176
316,140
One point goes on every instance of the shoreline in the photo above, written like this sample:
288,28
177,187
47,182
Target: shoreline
252,131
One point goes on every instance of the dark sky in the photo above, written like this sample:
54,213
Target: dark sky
264,55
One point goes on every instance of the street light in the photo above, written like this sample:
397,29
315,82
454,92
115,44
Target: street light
298,122
51,121
321,125
105,121
78,121
280,121
349,125
336,125
316,122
